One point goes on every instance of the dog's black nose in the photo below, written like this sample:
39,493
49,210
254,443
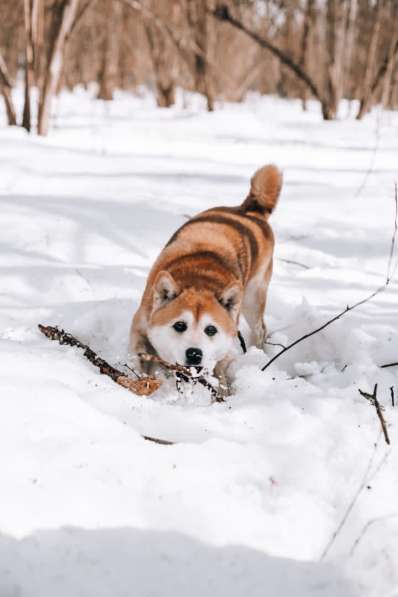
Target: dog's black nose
193,356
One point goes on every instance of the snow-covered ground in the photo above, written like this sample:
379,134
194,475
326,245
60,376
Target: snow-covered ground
248,499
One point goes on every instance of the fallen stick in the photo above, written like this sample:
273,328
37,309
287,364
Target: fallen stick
143,386
388,365
379,411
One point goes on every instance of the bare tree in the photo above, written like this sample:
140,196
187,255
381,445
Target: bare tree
202,32
164,70
6,90
108,77
63,16
335,44
308,26
31,19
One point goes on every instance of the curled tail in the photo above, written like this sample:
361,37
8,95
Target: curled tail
265,187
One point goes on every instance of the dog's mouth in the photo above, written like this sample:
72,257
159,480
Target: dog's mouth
194,368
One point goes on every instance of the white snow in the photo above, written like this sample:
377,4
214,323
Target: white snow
247,500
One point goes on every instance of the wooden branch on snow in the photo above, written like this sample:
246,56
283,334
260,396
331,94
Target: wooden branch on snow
388,365
382,288
379,411
143,386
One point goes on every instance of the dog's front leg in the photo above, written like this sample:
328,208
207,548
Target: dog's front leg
139,343
224,379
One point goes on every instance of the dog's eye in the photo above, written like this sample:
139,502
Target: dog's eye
180,326
210,330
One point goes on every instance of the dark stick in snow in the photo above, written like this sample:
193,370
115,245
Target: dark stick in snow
389,276
144,386
392,396
292,262
379,410
389,365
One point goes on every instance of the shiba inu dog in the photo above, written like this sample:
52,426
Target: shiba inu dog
215,267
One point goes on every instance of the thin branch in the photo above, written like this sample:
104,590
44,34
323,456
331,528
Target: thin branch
365,529
372,157
275,344
392,396
162,442
223,14
292,262
242,342
361,487
372,398
390,271
389,275
388,365
143,386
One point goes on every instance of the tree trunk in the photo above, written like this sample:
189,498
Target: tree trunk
63,17
108,77
202,31
162,65
370,61
6,89
308,25
335,39
31,14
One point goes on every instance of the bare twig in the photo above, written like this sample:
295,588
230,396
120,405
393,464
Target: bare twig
361,487
390,270
275,344
143,386
162,442
365,529
388,365
242,342
382,288
372,157
292,262
184,373
379,410
392,396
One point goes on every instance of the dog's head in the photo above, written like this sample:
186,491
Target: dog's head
192,327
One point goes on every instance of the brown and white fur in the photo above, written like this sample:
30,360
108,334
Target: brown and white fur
215,267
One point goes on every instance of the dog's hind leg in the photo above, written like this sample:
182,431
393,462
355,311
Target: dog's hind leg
253,307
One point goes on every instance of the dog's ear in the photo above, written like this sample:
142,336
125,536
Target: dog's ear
166,289
231,298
